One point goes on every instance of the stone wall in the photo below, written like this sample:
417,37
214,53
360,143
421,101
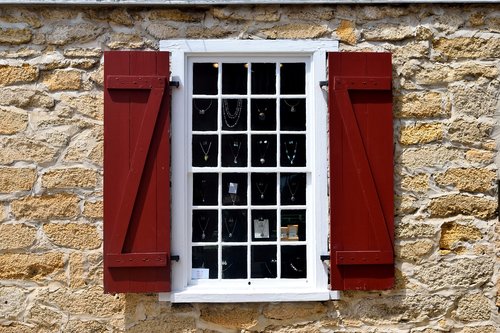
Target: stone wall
446,85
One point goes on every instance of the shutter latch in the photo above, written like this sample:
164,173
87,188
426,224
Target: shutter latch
324,257
175,258
174,84
323,84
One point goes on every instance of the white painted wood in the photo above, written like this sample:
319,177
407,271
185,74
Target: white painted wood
165,3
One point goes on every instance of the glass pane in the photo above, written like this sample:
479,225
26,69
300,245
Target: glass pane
205,187
264,261
293,150
204,114
263,188
204,150
234,189
204,258
293,262
293,114
293,188
263,115
234,225
234,114
205,226
263,150
234,150
293,78
293,225
234,78
263,225
205,78
263,78
234,262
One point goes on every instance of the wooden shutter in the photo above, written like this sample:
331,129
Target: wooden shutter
136,172
361,171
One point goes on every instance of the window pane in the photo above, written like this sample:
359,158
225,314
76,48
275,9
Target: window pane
234,150
263,225
293,262
205,187
293,78
234,262
264,261
293,188
263,150
263,78
204,114
293,114
204,150
205,79
234,189
205,226
234,78
293,150
293,225
205,257
263,188
234,114
263,114
234,225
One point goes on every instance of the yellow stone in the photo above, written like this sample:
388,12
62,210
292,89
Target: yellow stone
88,104
473,307
418,183
468,179
17,74
12,120
429,156
82,53
32,266
16,179
455,204
235,316
71,177
421,133
122,40
175,15
24,236
73,235
296,31
46,207
480,156
422,105
15,36
201,32
346,33
452,234
388,32
93,209
63,80
287,311
468,47
414,251
23,149
77,276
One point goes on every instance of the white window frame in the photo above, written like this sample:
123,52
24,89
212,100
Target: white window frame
316,286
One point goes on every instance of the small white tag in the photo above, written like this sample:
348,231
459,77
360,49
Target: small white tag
233,188
199,273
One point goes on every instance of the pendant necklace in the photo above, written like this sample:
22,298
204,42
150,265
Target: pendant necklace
233,117
231,220
201,111
203,228
224,263
203,189
262,192
291,158
207,151
262,114
298,270
261,153
291,106
292,192
236,144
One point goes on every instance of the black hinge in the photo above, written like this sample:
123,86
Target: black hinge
324,257
175,258
174,84
323,84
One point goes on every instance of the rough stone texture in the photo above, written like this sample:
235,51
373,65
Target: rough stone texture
429,156
479,329
82,32
414,251
421,105
296,31
421,133
16,179
72,235
162,31
93,209
454,235
121,40
17,74
418,183
469,132
468,179
454,204
24,98
46,207
63,80
23,149
12,300
33,267
12,120
474,100
71,177
286,311
16,236
174,15
479,156
240,316
414,229
439,74
473,307
90,105
468,47
2,212
346,33
388,32
15,36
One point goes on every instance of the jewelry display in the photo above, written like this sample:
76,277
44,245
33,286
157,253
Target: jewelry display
284,233
293,232
231,221
207,150
294,266
231,119
233,190
292,191
224,263
259,188
203,228
291,106
291,159
202,110
203,189
261,228
262,114
235,146
262,152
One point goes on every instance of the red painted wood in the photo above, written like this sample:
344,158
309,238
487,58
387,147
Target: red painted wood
136,170
361,171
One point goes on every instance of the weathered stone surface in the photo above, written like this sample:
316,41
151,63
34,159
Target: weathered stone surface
296,31
372,13
414,251
46,207
479,329
63,34
63,80
17,74
93,209
20,328
73,235
23,98
310,13
405,204
23,149
2,212
429,156
454,235
90,104
175,15
388,32
16,179
461,274
16,14
418,183
469,132
464,47
83,144
162,31
16,236
414,229
256,14
33,266
82,52
12,120
15,36
240,316
346,33
202,32
468,179
13,301
122,40
474,100
286,311
116,15
165,324
77,272
422,105
87,326
473,307
45,317
421,133
85,63
71,177
410,50
479,156
454,204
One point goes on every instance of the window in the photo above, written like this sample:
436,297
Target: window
249,157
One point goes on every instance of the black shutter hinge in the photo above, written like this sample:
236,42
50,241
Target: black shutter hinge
324,257
175,258
323,84
174,84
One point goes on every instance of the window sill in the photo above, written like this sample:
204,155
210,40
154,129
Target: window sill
197,295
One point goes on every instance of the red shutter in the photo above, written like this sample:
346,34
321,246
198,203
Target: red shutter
136,172
361,171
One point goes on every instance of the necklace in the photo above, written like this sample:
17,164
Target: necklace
231,220
224,263
203,189
235,155
205,152
259,185
203,228
292,192
263,154
291,158
201,111
233,117
291,106
295,268
262,114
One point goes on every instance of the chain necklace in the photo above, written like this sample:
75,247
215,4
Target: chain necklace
298,270
262,192
233,117
205,152
231,220
201,111
203,189
291,106
203,228
235,155
263,154
292,192
291,158
262,114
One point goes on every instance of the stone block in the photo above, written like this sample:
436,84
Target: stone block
346,32
414,229
202,32
83,143
16,236
15,14
454,235
73,235
455,204
474,100
405,204
480,156
3,214
442,74
85,326
234,316
467,179
310,13
79,52
421,133
24,98
411,50
16,179
469,132
14,36
63,80
122,40
175,15
13,300
32,266
414,251
93,210
165,324
418,183
162,31
388,32
430,156
296,311
88,104
45,317
17,74
372,13
63,34
468,47
422,105
70,177
12,120
77,273
479,329
118,16
46,207
474,307
23,149
296,31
